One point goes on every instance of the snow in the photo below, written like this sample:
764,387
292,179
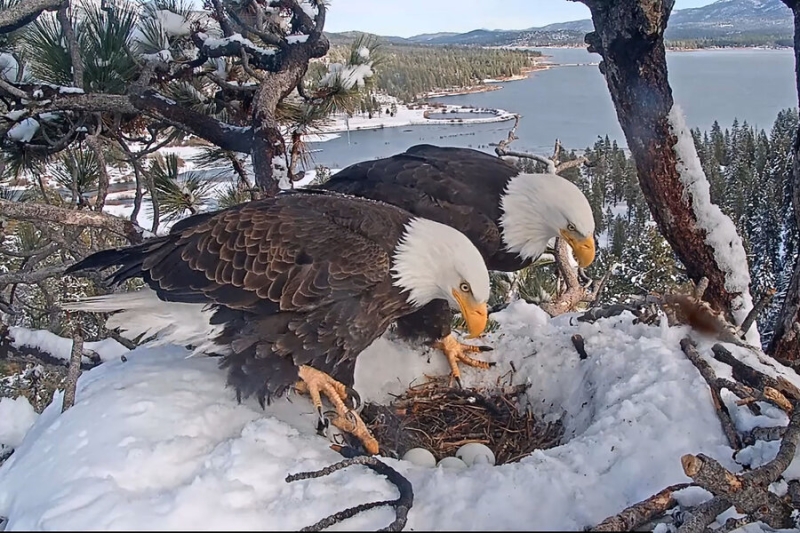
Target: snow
23,131
173,24
309,10
406,116
348,76
16,418
9,68
162,55
363,52
70,90
16,114
721,234
213,43
159,442
292,39
60,347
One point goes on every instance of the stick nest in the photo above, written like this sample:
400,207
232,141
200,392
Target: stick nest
441,419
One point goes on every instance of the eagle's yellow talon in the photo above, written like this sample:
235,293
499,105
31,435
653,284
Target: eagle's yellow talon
315,382
457,352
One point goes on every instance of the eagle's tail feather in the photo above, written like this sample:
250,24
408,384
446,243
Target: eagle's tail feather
142,315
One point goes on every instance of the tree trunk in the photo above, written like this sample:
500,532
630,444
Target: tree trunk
267,137
629,35
785,343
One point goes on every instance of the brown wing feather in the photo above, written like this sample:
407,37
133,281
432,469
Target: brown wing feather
296,279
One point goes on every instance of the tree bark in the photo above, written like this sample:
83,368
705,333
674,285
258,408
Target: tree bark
267,137
36,212
25,12
629,36
785,343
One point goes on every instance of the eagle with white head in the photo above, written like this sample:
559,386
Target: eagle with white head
292,288
510,216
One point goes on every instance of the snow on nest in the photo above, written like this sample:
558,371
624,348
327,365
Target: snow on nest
159,442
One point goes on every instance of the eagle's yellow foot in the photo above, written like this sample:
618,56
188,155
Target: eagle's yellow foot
457,352
315,382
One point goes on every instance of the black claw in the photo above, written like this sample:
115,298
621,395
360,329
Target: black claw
491,363
458,382
485,348
358,404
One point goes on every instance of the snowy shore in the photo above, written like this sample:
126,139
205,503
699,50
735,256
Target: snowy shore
416,115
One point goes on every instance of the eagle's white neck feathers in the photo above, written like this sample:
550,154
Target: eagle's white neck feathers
536,207
432,259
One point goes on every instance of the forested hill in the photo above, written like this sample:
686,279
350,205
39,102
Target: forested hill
408,72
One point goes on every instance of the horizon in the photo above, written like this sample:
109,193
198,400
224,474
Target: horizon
415,17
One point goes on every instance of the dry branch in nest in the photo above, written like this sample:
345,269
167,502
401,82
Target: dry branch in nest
401,505
441,419
748,491
684,309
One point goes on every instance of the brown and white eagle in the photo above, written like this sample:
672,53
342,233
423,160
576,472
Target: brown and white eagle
292,288
510,216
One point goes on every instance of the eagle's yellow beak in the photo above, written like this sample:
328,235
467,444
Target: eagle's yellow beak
475,314
582,249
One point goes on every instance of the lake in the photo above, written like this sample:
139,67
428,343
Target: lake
572,103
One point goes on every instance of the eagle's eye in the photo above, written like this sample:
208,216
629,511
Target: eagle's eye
464,286
571,226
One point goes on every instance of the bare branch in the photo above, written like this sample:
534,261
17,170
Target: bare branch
72,44
36,212
74,371
756,310
24,12
642,512
401,505
32,278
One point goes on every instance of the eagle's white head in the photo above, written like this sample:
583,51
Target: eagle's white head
538,207
435,261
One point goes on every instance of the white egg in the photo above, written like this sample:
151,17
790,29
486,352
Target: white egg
475,453
453,463
420,457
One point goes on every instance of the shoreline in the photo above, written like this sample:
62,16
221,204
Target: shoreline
414,115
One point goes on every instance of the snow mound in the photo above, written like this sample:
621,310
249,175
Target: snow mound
158,442
16,418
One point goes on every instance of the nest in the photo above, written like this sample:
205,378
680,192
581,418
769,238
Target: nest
441,419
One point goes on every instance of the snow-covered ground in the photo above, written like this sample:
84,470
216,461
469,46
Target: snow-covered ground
415,117
158,442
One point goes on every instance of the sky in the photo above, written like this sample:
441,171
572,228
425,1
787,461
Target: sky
405,18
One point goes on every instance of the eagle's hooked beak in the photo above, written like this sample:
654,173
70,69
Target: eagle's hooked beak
475,314
582,249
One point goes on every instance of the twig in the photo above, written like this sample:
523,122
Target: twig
401,505
708,374
767,434
642,512
700,288
753,377
756,310
703,515
577,341
74,371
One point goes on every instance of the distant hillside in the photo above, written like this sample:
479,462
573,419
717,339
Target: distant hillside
722,23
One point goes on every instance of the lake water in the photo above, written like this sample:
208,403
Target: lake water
572,103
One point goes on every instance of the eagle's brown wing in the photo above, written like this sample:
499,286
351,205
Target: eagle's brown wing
460,187
299,279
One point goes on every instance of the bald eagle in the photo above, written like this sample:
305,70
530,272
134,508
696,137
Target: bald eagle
292,287
510,216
